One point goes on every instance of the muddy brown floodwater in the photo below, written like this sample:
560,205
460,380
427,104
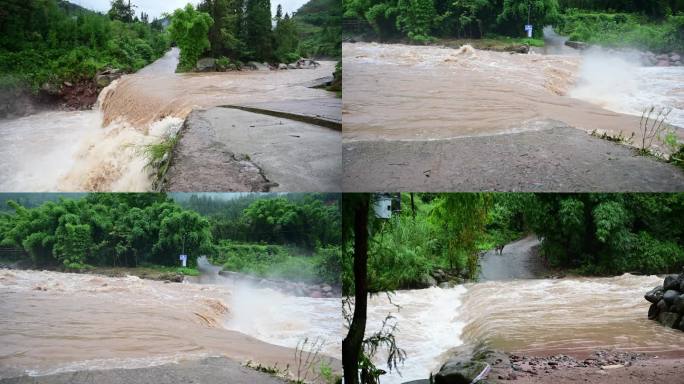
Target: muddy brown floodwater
56,322
103,149
533,317
400,92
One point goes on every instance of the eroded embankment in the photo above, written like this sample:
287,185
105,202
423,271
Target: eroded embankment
54,322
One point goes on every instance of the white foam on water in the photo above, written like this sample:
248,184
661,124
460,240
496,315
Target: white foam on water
38,150
428,326
619,84
276,318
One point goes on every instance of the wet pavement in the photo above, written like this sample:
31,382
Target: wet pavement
213,370
228,149
548,156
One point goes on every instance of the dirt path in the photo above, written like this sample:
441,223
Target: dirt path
550,157
519,260
213,370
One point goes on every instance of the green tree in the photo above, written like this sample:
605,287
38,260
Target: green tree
225,34
121,11
463,217
286,40
72,242
182,231
189,29
515,13
415,18
258,36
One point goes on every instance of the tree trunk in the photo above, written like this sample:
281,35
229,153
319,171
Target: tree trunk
351,345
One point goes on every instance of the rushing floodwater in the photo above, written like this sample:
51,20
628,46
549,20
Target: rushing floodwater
54,322
100,150
400,92
538,317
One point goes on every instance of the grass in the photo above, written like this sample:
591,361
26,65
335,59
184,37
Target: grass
159,158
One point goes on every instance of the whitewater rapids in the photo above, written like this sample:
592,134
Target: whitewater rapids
402,92
535,317
103,149
55,322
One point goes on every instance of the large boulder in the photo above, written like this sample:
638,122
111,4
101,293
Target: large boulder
653,312
672,282
105,77
256,66
662,306
427,281
678,305
669,319
670,295
206,64
307,64
654,295
461,372
282,66
577,45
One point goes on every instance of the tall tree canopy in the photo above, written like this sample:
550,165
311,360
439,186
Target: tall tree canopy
189,29
258,36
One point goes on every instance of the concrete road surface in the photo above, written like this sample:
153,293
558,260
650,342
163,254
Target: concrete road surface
213,370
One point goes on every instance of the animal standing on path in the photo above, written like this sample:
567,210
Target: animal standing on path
499,249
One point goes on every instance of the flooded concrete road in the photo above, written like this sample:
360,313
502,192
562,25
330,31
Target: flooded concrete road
519,260
546,156
228,149
212,370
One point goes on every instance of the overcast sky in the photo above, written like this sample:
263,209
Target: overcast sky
155,8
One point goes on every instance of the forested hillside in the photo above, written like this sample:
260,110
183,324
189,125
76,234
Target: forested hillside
289,236
656,25
320,28
47,42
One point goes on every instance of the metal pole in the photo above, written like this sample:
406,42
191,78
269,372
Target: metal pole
529,11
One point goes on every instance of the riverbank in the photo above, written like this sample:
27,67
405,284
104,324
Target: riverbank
600,366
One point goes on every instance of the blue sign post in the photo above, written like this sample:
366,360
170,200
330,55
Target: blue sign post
528,29
184,260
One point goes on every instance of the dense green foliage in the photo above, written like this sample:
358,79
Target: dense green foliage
50,41
304,220
587,233
319,23
281,262
624,30
611,233
289,236
189,29
642,23
242,30
106,229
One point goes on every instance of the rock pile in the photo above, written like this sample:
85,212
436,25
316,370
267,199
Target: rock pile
490,366
663,60
667,302
440,278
